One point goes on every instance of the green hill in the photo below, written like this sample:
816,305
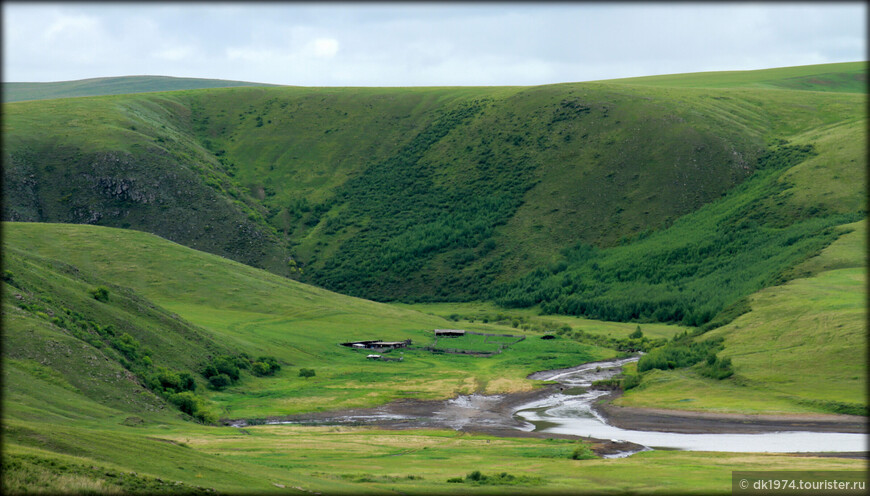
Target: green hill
846,77
446,194
737,210
17,92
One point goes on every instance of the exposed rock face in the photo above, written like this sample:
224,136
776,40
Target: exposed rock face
149,190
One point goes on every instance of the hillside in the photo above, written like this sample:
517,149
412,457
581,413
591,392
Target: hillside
846,77
251,311
450,194
17,92
148,240
817,320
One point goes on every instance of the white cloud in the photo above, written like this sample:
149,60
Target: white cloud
324,47
421,44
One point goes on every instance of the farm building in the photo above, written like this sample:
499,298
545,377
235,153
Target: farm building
449,333
377,344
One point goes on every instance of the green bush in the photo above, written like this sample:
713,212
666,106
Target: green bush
630,381
100,293
306,373
583,452
717,368
678,354
220,381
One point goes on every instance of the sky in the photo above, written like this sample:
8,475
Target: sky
421,44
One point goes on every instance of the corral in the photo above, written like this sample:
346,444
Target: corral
472,343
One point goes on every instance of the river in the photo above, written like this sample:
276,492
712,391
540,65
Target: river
568,409
574,414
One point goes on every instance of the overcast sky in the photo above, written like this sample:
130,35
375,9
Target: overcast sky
414,44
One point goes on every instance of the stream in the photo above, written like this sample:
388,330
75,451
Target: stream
566,413
569,409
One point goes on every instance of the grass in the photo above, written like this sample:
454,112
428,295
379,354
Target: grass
253,311
308,182
847,77
16,92
816,321
470,315
76,416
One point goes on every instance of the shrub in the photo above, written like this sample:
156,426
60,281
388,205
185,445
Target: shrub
220,381
306,373
717,368
260,368
209,371
226,365
100,293
630,381
127,345
637,334
186,381
582,452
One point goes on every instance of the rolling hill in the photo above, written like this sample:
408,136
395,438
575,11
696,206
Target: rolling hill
149,237
17,92
449,194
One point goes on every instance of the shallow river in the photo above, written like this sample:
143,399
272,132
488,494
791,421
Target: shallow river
563,413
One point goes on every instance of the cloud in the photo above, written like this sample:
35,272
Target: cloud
324,47
421,44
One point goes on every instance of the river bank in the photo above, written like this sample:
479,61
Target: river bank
688,422
570,409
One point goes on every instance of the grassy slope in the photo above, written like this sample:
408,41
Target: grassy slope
413,193
16,92
141,170
250,310
504,177
848,77
816,322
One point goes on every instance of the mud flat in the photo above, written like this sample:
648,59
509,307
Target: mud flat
660,420
570,409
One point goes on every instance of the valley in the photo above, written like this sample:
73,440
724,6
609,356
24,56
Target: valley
177,261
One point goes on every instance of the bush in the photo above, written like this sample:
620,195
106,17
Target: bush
717,368
194,406
100,293
306,373
220,381
266,365
260,368
582,452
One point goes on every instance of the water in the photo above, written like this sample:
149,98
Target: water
573,414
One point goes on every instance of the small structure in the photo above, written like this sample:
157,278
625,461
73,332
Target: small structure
377,344
449,333
391,344
373,357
